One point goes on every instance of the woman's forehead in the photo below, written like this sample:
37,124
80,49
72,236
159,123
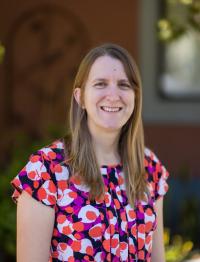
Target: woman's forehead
105,66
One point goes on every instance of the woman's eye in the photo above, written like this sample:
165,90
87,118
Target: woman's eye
124,86
100,84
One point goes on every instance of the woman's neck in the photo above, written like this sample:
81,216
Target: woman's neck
106,147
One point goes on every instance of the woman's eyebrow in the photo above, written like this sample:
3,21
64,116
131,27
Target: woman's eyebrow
99,79
123,80
104,79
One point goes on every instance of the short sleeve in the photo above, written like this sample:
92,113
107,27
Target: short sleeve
37,179
157,175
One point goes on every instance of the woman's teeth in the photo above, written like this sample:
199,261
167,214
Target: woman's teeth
110,109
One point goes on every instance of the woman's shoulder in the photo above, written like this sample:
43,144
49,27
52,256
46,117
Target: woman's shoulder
55,152
42,173
53,149
156,174
150,155
53,157
49,155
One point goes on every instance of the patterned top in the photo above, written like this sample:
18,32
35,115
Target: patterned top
84,230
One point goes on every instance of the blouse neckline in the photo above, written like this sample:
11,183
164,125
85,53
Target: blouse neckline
111,165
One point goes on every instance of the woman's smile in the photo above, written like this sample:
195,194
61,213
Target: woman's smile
111,109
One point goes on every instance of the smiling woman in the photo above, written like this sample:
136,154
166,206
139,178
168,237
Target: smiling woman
103,185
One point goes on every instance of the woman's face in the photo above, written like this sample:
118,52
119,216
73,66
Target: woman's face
108,96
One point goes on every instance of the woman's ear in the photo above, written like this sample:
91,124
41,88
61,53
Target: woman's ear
77,96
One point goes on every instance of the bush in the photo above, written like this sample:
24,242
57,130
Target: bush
19,155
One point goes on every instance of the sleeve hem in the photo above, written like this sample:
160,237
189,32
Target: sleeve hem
18,190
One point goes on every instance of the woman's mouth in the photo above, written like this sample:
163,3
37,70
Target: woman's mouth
111,109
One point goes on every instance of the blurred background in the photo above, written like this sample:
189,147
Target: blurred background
41,45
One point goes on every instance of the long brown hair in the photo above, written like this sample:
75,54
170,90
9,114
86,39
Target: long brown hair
81,158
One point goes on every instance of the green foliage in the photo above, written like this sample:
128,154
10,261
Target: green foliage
181,17
2,52
176,249
20,153
190,222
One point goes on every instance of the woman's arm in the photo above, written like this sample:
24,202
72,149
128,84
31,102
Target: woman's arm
158,252
35,223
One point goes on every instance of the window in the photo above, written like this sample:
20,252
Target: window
180,68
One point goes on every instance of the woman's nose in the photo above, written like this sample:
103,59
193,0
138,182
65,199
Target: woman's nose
112,92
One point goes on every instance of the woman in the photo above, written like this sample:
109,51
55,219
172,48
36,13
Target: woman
97,193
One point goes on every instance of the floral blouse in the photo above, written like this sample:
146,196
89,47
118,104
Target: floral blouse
84,230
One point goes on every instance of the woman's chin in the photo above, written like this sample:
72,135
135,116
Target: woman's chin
111,128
